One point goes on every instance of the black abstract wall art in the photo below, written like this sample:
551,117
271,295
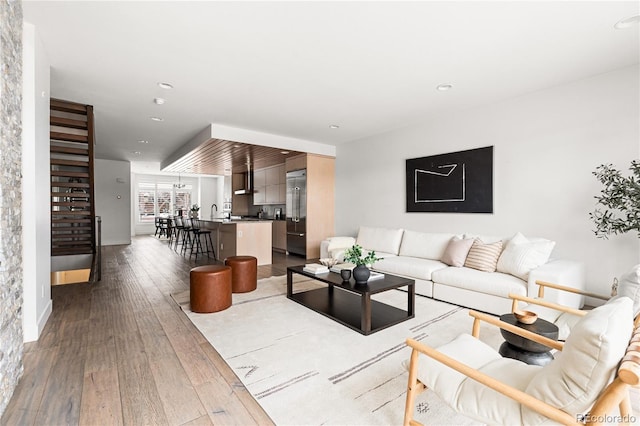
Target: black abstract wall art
460,182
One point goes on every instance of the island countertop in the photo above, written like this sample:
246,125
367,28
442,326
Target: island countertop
238,237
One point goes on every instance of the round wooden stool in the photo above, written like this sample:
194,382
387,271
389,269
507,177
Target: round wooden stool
210,288
244,273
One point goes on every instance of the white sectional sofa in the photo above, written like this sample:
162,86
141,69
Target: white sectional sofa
418,255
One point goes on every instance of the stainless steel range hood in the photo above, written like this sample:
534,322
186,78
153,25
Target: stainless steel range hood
248,185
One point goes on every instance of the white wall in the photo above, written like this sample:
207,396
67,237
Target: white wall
36,202
546,146
208,195
112,189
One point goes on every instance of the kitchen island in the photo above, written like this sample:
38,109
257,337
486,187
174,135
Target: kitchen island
241,237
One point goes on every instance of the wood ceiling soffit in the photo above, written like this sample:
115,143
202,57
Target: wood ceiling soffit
216,155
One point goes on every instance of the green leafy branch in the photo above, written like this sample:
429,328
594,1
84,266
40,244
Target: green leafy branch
618,207
354,255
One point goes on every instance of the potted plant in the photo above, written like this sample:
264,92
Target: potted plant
361,271
618,208
194,211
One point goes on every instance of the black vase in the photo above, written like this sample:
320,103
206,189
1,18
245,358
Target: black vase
361,274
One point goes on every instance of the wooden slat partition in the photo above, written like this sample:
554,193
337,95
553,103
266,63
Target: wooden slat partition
72,205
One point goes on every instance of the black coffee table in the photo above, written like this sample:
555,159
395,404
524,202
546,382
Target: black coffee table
351,304
523,349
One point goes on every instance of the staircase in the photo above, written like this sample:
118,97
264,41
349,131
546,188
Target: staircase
72,198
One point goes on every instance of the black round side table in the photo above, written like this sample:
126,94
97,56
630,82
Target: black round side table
525,350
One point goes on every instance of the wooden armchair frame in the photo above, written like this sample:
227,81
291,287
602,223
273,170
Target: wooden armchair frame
616,393
561,308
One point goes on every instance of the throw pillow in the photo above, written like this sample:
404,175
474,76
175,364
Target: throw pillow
456,251
483,257
522,255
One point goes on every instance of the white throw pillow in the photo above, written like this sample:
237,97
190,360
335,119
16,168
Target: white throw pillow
522,255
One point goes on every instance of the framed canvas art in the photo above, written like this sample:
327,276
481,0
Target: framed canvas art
459,182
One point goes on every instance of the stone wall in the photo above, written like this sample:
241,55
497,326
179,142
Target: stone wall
11,340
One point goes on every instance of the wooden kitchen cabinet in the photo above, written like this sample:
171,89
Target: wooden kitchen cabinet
259,178
320,198
296,163
279,237
270,185
259,195
273,194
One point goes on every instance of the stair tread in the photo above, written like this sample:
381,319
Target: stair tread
71,137
68,150
66,106
61,162
67,122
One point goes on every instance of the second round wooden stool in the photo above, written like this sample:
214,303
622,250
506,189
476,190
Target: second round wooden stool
244,273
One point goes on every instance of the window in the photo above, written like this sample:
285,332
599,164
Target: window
161,199
146,202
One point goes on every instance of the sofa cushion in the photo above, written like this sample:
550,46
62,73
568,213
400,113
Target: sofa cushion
412,267
456,251
424,245
588,361
483,257
494,283
380,239
521,255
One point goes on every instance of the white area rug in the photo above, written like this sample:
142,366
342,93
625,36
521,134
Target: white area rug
304,368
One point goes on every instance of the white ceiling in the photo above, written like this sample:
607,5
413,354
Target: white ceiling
295,68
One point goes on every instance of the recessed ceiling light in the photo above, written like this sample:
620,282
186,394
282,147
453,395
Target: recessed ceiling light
284,152
627,22
334,126
165,85
158,101
444,87
143,141
157,119
237,146
136,152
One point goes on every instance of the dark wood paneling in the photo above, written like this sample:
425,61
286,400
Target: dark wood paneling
222,157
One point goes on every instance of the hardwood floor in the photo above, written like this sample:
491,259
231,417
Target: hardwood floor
122,352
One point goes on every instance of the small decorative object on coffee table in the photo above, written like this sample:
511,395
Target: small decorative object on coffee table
525,317
523,349
361,272
345,274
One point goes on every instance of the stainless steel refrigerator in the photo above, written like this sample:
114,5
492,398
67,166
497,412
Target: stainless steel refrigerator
297,212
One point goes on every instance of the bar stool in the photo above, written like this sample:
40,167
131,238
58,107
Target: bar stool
158,227
198,234
186,240
179,230
170,230
244,273
210,288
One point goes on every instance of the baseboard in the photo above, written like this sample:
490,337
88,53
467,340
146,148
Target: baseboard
31,335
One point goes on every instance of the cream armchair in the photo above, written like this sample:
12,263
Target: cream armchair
599,362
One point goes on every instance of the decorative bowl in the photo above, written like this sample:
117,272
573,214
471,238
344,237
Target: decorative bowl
525,317
328,262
